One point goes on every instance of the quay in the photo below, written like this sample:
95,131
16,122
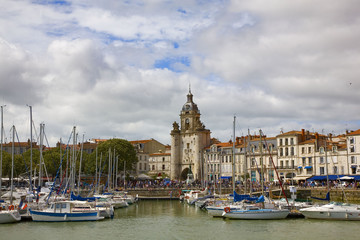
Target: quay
302,194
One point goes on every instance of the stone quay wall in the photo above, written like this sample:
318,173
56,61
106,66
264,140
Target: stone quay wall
304,194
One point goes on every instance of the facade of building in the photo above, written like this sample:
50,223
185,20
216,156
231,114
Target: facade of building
159,163
144,148
19,147
353,151
188,142
296,155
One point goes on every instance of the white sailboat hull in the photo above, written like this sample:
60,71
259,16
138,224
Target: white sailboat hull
218,211
260,214
333,212
9,216
41,216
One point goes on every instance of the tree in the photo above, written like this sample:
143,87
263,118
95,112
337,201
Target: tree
124,150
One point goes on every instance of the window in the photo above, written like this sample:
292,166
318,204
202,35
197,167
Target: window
351,140
322,170
310,160
286,152
303,150
352,148
291,141
292,163
281,142
163,167
253,162
140,164
335,170
322,160
292,151
281,164
309,149
334,148
163,159
321,150
353,160
153,167
303,161
281,152
286,141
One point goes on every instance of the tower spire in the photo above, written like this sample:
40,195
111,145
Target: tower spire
189,87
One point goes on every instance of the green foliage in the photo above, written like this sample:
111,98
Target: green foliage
52,158
124,150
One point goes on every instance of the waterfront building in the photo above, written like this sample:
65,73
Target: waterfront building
188,141
144,148
353,151
159,163
19,147
297,156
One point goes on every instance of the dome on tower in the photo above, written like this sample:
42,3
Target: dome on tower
190,105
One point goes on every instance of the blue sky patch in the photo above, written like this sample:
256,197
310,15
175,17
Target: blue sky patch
180,10
175,64
52,2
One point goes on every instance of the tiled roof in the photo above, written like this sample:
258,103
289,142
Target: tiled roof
140,141
290,133
307,142
357,132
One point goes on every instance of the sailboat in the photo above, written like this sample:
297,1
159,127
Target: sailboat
11,214
332,210
255,211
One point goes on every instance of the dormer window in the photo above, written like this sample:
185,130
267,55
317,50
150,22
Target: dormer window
334,148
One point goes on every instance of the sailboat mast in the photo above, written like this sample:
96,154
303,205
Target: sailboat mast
233,157
41,148
96,167
31,153
109,171
261,164
12,165
245,166
1,148
124,174
114,169
81,155
72,172
326,166
250,184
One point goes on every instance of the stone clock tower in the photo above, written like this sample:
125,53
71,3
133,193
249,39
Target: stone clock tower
188,142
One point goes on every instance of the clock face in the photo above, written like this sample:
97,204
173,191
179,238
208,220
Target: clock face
187,120
187,107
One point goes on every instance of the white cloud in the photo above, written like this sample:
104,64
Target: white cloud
288,65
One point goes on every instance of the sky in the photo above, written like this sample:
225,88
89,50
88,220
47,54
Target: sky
122,68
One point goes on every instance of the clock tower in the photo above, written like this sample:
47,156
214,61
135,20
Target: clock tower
188,142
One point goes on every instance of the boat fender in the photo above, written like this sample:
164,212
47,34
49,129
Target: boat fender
11,207
227,209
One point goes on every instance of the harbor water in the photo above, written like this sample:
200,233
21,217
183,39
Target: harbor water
163,219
